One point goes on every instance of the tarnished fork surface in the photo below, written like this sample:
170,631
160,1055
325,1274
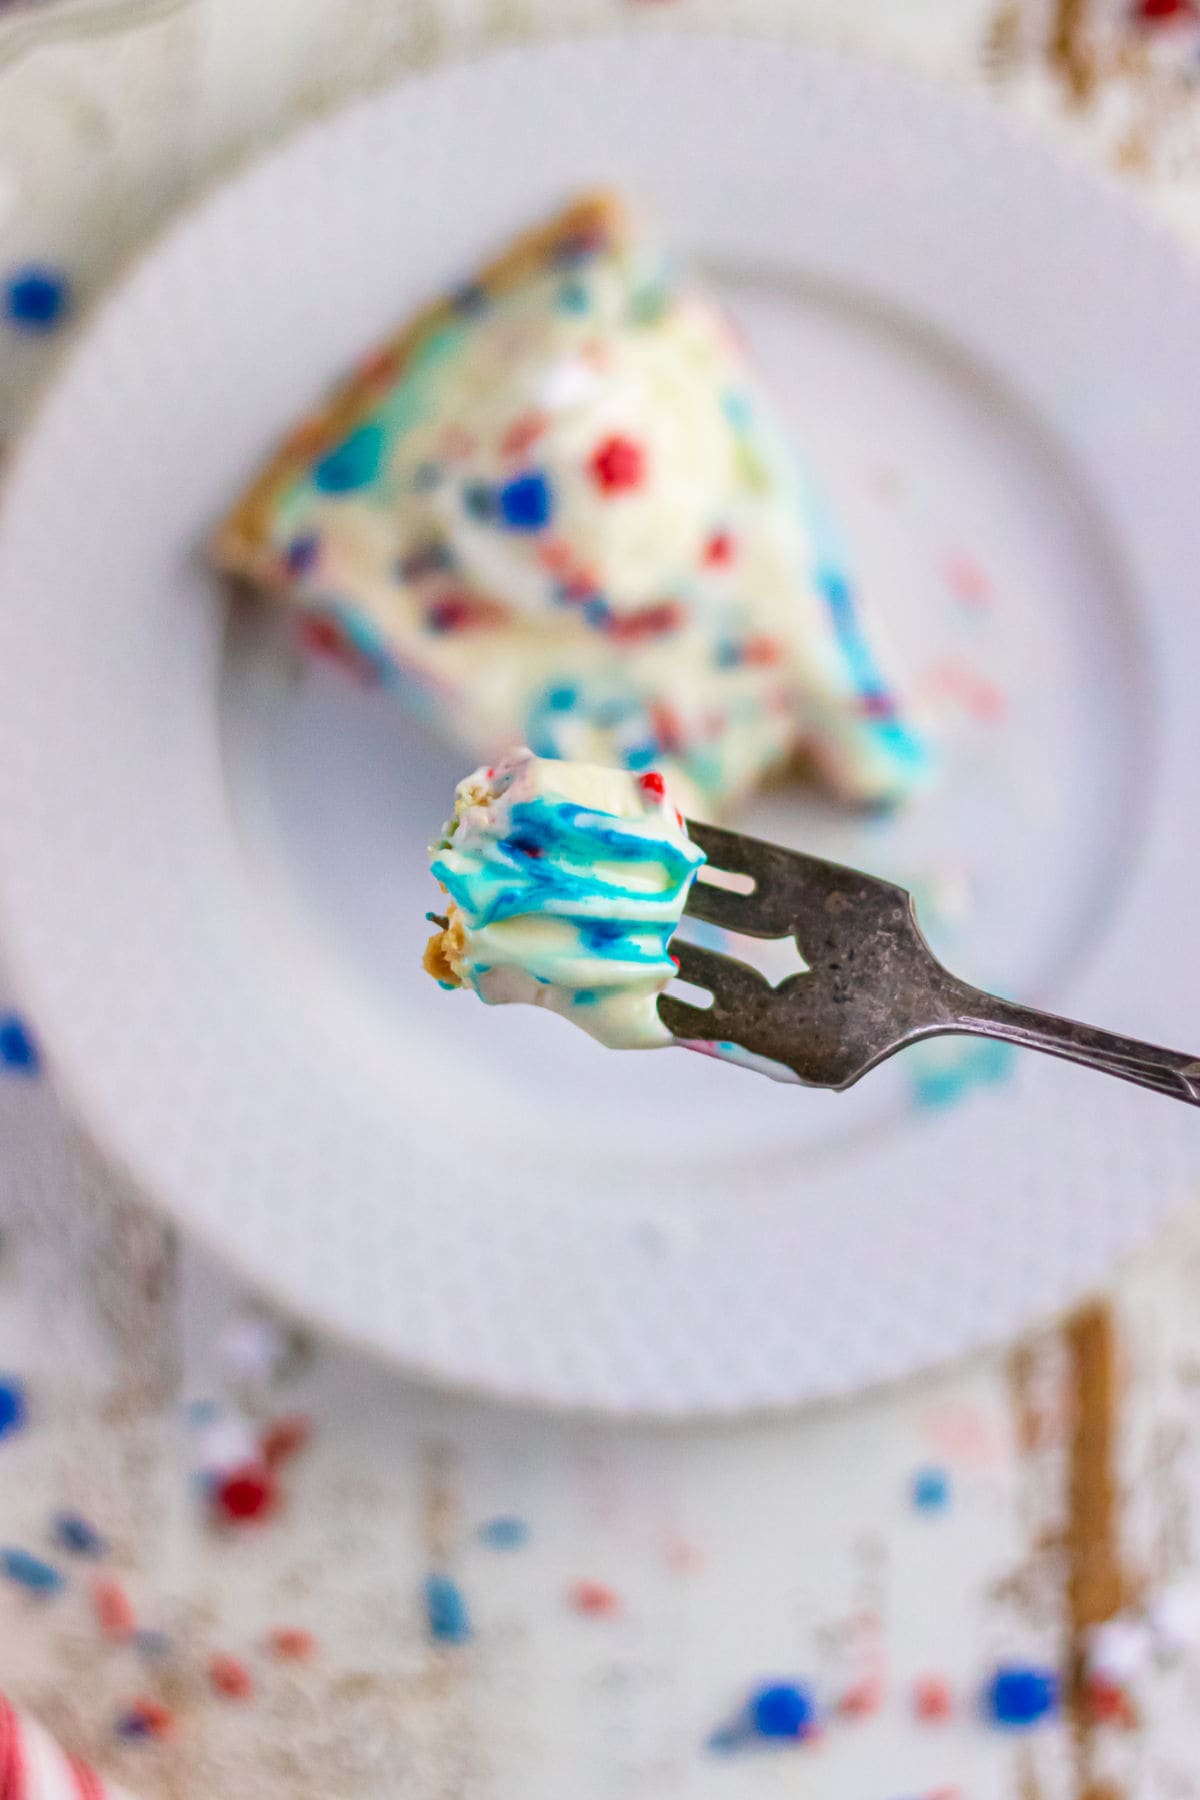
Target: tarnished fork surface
872,984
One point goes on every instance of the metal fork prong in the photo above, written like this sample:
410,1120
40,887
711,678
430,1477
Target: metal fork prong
736,988
768,911
684,1021
706,969
719,906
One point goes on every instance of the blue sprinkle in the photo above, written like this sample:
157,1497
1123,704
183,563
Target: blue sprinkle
782,1710
14,1413
198,1413
446,1611
1019,1697
31,1572
153,1645
73,1533
479,500
931,1490
729,654
36,298
17,1048
301,553
585,996
526,503
573,297
353,464
470,300
597,612
507,1532
562,699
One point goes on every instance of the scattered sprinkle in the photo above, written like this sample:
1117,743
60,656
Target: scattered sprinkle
506,1532
783,1710
932,1699
113,1609
353,464
18,1052
36,298
13,1410
285,1438
1108,1703
230,1677
617,464
291,1643
967,580
526,503
30,1572
153,1645
446,1611
247,1496
931,1490
863,1699
595,1599
73,1533
146,1719
1019,1696
1161,12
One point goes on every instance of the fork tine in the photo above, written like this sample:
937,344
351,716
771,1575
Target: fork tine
769,909
684,1021
791,889
704,968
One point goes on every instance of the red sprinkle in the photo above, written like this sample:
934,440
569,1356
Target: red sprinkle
595,1599
667,726
652,783
762,652
719,550
862,1700
1109,1704
248,1495
967,580
230,1677
379,369
649,622
1154,12
321,635
932,1700
463,612
113,1609
147,1718
523,433
290,1643
284,1438
618,463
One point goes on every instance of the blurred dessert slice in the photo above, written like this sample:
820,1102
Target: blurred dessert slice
558,509
566,883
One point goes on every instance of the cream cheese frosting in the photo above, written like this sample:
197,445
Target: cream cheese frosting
560,510
566,882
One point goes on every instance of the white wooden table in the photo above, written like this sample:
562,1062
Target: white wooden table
786,1548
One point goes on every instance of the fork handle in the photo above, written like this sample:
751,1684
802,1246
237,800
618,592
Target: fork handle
1166,1071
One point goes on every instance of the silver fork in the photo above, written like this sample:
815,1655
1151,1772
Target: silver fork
872,985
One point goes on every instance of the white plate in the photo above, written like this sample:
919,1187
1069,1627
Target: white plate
212,868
